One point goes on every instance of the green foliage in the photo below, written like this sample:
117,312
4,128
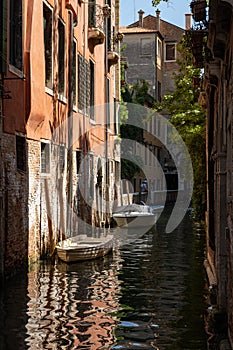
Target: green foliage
128,168
132,117
189,118
157,2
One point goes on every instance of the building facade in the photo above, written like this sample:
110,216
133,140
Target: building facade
150,52
60,93
217,99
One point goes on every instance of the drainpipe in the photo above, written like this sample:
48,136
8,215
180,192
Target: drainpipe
70,126
106,115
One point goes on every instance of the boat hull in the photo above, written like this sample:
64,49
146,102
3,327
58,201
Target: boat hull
135,220
137,215
73,250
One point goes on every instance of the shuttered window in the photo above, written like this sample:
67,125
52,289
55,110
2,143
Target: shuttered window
92,90
83,84
61,57
3,35
16,43
47,13
74,72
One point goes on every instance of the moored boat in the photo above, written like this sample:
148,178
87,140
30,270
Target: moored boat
82,247
136,215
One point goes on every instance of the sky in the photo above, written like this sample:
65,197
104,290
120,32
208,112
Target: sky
173,12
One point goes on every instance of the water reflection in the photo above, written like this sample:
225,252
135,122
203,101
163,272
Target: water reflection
70,306
164,285
147,295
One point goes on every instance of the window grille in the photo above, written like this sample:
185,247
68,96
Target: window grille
45,157
21,152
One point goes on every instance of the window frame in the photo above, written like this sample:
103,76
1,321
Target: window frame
61,58
74,71
16,38
92,89
165,52
48,82
47,161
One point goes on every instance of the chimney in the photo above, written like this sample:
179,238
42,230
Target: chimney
158,20
141,13
188,18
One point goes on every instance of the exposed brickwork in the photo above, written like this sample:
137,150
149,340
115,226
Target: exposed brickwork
15,208
34,203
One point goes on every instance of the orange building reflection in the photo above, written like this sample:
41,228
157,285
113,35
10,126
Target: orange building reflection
73,306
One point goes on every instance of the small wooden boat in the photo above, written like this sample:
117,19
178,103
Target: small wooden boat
80,248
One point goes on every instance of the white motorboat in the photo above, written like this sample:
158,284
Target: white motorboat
136,215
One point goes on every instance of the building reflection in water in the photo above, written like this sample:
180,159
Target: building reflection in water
72,306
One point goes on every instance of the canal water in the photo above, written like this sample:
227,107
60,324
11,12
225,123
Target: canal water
149,294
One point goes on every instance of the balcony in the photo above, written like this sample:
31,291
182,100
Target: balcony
198,40
113,58
96,33
113,49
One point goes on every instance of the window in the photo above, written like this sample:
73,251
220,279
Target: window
158,128
83,83
91,176
74,72
159,91
92,89
159,48
170,52
150,154
117,172
3,39
16,43
21,152
92,14
45,157
146,47
62,152
47,13
108,103
78,160
61,57
115,111
107,171
146,154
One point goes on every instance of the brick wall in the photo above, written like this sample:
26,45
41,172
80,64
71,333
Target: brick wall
14,208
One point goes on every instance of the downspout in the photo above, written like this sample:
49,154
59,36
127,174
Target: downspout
106,119
70,126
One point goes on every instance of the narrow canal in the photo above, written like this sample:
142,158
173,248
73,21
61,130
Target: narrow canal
150,294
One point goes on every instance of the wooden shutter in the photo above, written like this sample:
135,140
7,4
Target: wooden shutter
3,35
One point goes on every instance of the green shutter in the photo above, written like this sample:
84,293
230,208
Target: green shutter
3,35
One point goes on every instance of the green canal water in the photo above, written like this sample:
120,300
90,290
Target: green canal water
149,294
